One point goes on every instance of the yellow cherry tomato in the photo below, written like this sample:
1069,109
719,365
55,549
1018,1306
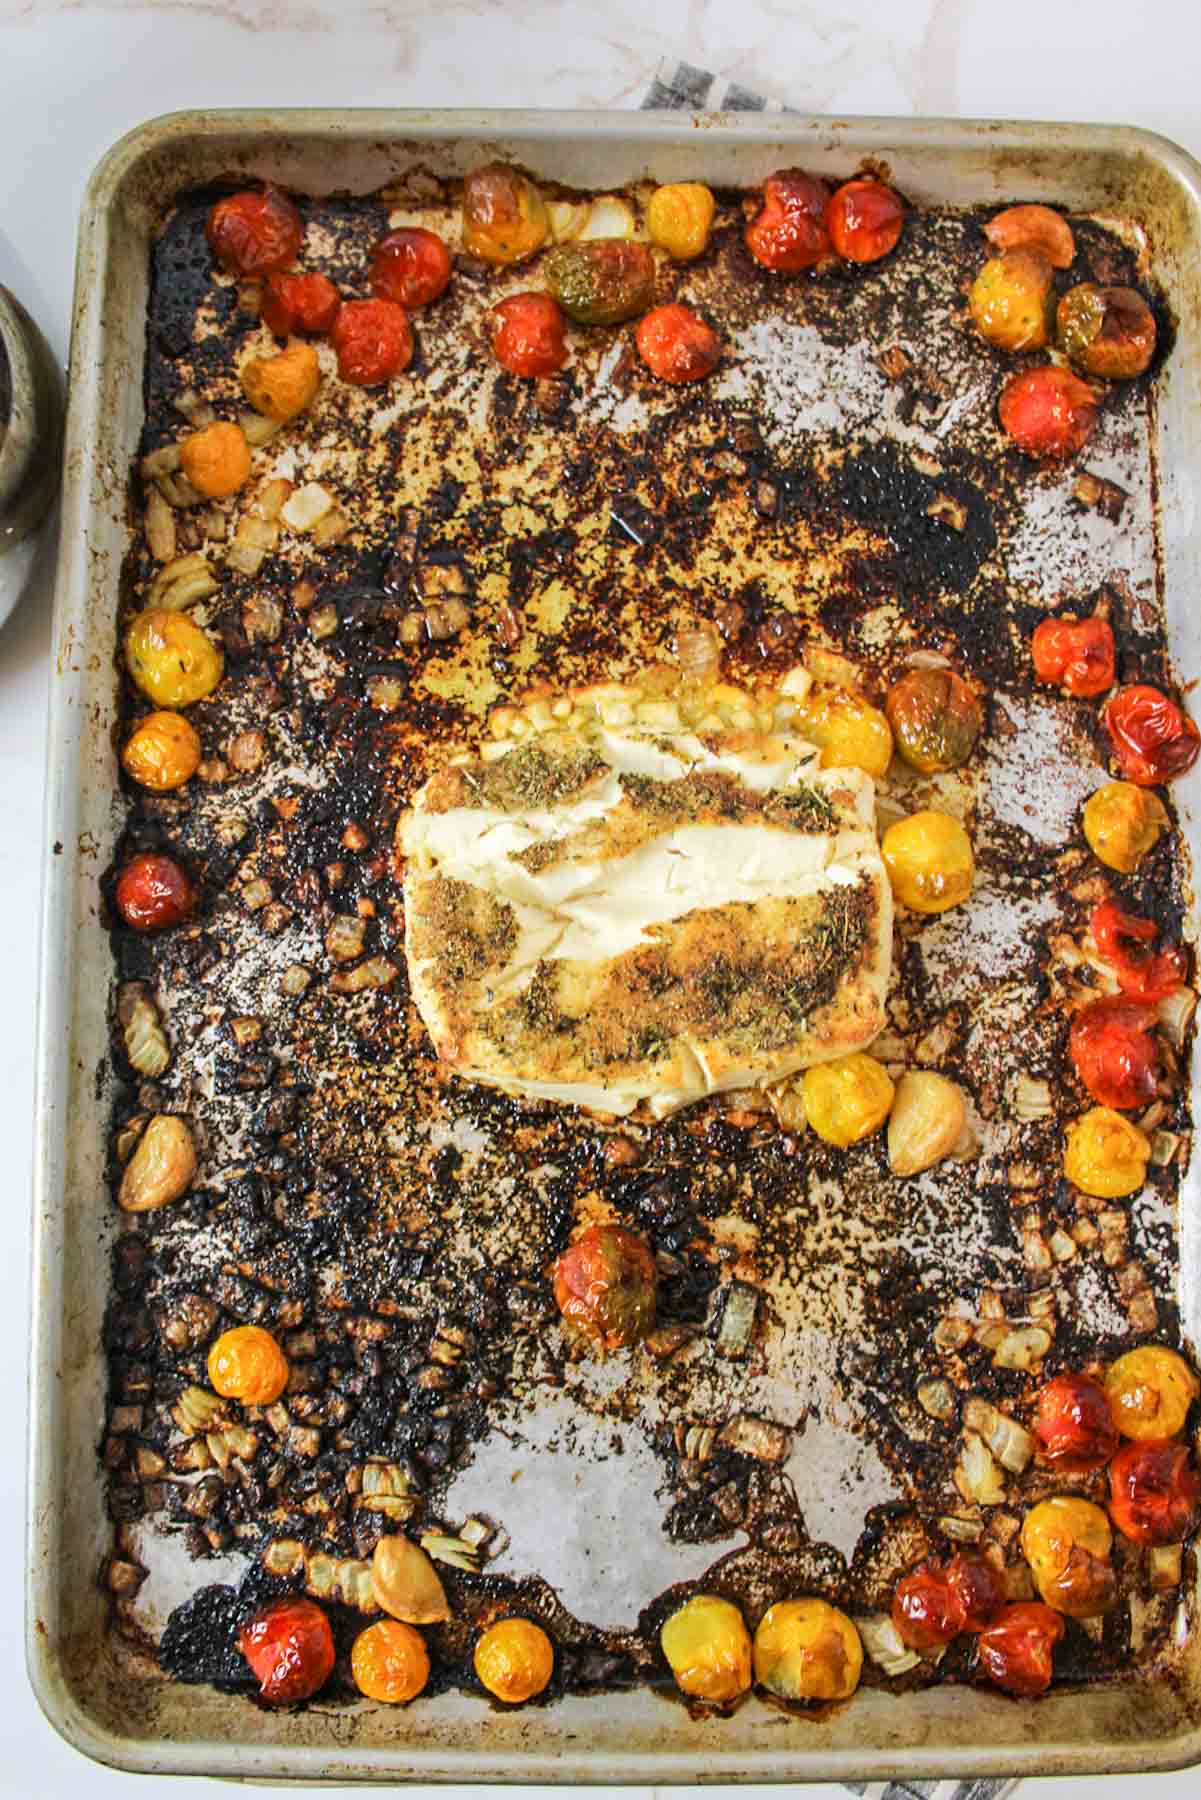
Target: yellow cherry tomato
1122,822
1011,300
929,861
848,730
1067,1542
504,215
807,1650
389,1661
247,1364
216,460
1106,1155
514,1659
170,659
1150,1391
680,218
281,386
708,1648
163,752
847,1099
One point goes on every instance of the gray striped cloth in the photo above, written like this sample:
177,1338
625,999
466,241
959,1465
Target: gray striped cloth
680,87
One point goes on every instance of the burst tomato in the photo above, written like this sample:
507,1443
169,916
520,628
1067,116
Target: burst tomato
1048,412
676,345
789,233
926,1610
1151,737
1074,1426
1143,974
254,232
1077,655
605,1285
410,266
863,220
1153,1492
290,1647
299,303
154,893
372,340
1016,1648
1114,1052
527,332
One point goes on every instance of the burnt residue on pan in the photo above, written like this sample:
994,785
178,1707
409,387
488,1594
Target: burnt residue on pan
841,480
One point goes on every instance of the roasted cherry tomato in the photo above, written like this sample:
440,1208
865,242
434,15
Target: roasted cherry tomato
935,719
290,1647
1077,655
807,1650
863,220
601,282
1067,1542
528,334
153,893
1150,1392
1107,331
1122,823
254,232
606,1284
1153,1492
1114,1052
1035,228
1106,1156
247,1364
514,1659
1010,300
979,1589
389,1661
789,233
1143,974
1048,412
504,216
1074,1426
410,266
926,1610
372,340
299,303
1015,1650
1151,737
676,345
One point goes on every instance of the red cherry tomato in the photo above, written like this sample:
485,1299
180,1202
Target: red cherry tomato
676,345
290,1647
154,893
789,233
978,1588
254,232
606,1285
864,220
1074,1426
927,1609
1015,1650
1077,655
410,266
1048,412
1152,739
1142,974
372,340
300,303
528,334
1154,1491
1114,1053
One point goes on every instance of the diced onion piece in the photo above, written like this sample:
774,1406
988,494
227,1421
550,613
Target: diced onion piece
961,1531
376,972
257,429
567,219
833,669
937,1398
1009,1442
270,499
884,1645
977,1475
182,582
1022,1348
1165,1564
306,506
1165,1146
160,528
609,216
332,528
1175,1013
1031,1099
253,539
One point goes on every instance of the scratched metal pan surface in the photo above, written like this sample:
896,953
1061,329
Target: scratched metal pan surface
798,485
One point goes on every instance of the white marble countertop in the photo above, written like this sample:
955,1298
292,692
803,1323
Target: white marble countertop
76,74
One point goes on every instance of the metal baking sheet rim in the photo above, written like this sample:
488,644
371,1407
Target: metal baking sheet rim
104,1708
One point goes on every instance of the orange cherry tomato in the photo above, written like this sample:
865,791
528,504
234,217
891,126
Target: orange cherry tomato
389,1661
247,1364
676,345
606,1284
254,232
926,1610
864,219
1151,737
1114,1053
307,304
1154,1491
789,233
1077,655
1015,1649
1143,974
410,266
290,1647
372,340
528,334
1074,1426
153,893
1048,412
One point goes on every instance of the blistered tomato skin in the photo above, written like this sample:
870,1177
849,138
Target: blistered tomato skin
247,1364
254,233
216,460
604,281
606,1285
926,1609
1106,1155
504,216
848,730
929,861
676,345
170,659
528,335
846,1099
290,1648
1048,413
1114,1052
1016,1648
1010,300
1152,739
1107,331
410,266
372,340
295,304
935,719
1122,823
1150,1392
789,233
515,1660
1035,228
389,1662
1154,1492
708,1649
1073,1424
153,893
864,220
1067,1543
1123,941
807,1650
282,386
162,753
679,219
978,1588
1077,655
